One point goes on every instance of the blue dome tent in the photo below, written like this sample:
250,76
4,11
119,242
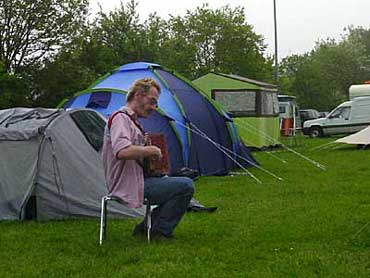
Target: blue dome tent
199,134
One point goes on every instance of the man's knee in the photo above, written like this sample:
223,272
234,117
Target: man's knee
187,185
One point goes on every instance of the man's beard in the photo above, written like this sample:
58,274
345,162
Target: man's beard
144,112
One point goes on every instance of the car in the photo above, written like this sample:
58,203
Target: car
308,114
323,114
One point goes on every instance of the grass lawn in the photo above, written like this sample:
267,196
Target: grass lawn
314,223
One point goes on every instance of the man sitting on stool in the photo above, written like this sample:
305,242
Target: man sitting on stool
123,153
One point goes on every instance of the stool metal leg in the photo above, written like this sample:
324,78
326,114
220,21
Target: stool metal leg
105,216
101,234
103,219
148,220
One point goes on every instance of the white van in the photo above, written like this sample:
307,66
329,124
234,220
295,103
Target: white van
349,117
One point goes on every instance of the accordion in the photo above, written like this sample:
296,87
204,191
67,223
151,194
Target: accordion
157,167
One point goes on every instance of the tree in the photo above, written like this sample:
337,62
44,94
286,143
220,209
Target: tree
321,78
360,37
217,40
58,55
288,69
177,49
31,30
201,41
13,90
121,31
156,37
71,70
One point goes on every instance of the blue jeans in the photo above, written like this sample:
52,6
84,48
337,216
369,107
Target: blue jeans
172,195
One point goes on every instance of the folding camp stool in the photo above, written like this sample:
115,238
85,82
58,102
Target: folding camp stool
103,216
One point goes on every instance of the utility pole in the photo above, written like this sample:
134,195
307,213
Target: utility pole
276,73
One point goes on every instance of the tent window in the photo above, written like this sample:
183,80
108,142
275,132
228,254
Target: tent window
269,104
267,107
99,100
91,125
237,103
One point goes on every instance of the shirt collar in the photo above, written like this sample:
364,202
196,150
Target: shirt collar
130,111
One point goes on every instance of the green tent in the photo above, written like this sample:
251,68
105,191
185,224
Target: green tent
253,105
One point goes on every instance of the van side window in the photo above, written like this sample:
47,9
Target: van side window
346,112
341,112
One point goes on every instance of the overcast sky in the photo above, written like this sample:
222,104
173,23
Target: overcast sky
300,22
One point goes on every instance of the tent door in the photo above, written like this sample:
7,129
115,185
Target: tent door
30,211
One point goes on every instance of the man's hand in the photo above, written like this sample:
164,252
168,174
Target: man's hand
154,151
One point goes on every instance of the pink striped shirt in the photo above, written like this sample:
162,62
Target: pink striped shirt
124,178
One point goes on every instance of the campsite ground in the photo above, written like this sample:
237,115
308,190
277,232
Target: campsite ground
314,223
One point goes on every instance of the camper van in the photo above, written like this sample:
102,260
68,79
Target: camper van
349,117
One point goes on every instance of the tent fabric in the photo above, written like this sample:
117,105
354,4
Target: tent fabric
257,83
360,138
16,175
212,81
57,166
22,123
181,108
211,123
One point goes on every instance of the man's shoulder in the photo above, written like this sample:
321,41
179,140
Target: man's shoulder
118,115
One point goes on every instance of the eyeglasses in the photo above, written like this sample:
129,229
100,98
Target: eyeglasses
153,101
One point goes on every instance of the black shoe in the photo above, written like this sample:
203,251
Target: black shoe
157,235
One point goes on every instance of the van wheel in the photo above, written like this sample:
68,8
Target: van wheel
315,132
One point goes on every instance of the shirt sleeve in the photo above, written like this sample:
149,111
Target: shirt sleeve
121,133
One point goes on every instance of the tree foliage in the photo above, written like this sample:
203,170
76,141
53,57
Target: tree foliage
217,40
51,51
321,78
13,90
33,29
71,70
201,41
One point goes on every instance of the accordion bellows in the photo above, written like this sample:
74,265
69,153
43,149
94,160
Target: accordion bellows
154,167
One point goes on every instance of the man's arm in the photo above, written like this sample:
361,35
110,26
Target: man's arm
122,143
133,152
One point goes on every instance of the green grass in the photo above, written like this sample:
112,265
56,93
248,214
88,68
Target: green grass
314,223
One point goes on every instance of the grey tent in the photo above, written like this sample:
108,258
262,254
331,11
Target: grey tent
50,166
